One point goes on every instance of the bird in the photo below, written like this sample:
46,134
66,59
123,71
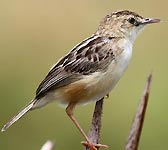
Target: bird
92,68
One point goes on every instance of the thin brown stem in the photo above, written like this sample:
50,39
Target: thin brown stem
94,132
135,132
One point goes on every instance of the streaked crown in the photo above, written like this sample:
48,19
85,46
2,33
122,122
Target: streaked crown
126,24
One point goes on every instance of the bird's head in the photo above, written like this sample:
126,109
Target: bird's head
124,24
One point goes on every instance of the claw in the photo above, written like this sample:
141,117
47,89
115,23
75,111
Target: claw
107,96
93,146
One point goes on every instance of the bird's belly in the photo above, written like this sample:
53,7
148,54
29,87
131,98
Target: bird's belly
106,83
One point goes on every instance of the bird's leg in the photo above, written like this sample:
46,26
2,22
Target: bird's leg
69,111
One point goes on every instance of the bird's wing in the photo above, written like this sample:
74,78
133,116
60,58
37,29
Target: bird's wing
91,55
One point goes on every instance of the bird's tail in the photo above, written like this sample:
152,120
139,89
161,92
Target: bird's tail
18,116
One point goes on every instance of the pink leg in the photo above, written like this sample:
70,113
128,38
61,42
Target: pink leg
92,146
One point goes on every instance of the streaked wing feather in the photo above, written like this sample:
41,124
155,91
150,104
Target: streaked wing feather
91,55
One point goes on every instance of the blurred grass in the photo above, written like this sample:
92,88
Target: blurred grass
35,34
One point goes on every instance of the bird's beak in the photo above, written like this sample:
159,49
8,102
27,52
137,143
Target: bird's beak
150,20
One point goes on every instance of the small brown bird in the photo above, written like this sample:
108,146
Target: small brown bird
92,68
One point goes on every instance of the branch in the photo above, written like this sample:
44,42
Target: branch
135,133
94,132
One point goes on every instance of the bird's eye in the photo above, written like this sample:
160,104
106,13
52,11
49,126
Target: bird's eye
131,20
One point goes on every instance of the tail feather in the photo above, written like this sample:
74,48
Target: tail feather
18,116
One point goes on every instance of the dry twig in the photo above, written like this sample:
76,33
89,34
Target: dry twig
94,132
135,133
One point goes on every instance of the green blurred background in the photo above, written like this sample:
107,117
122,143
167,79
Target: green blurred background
34,34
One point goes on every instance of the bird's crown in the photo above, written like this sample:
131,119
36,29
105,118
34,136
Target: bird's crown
124,23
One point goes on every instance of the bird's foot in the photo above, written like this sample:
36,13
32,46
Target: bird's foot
93,146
